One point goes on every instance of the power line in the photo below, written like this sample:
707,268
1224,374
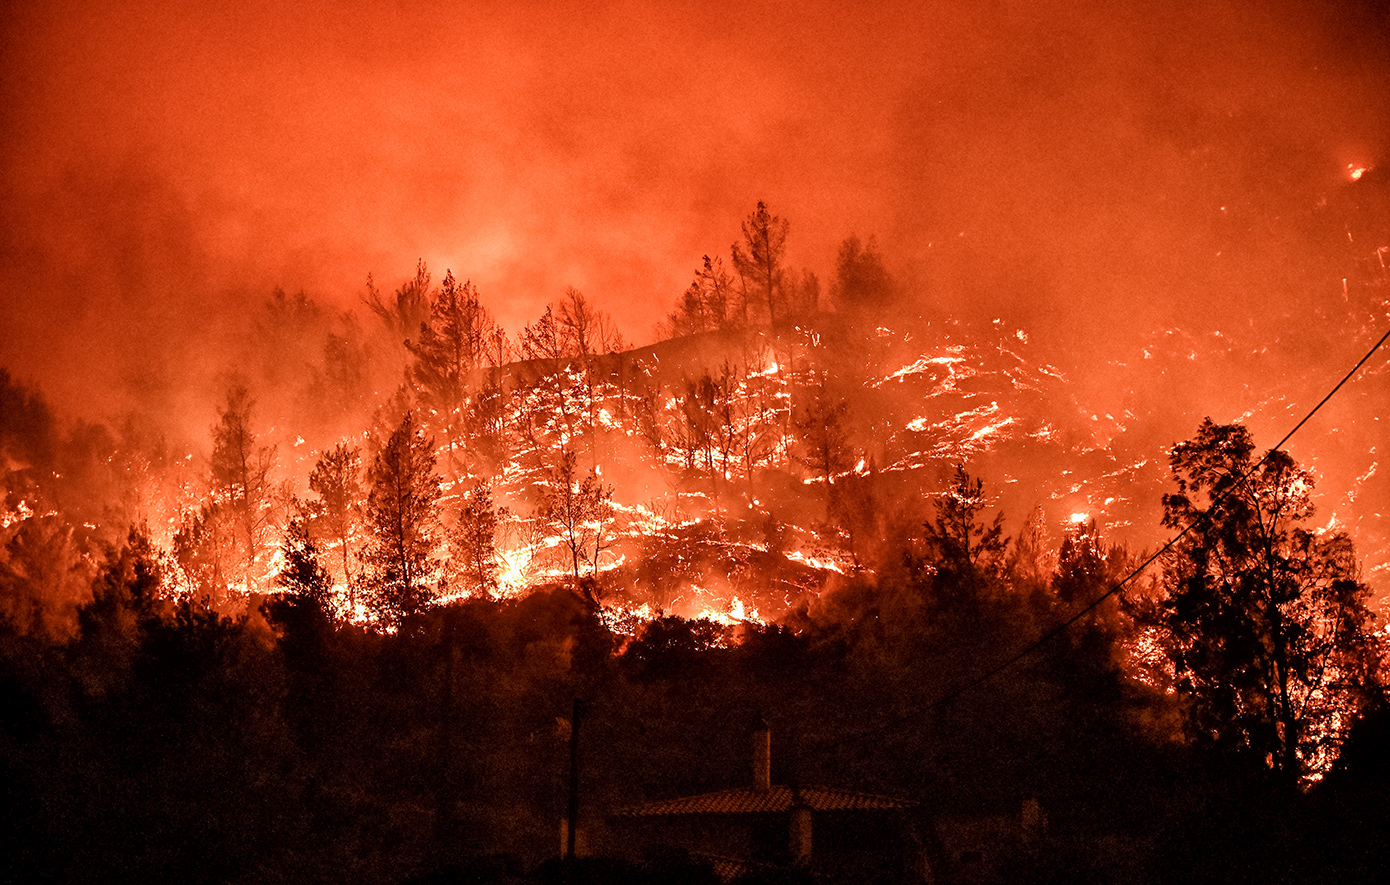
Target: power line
1062,627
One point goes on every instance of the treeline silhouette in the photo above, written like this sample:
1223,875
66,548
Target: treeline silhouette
165,740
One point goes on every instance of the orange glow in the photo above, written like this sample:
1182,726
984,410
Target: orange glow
158,189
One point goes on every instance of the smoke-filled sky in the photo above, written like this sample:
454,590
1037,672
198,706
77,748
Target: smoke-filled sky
1091,171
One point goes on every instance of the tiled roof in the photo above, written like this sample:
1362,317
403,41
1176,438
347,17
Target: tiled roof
773,799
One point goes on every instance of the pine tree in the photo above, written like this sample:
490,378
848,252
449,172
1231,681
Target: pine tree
706,305
759,260
1032,562
862,284
240,481
1086,567
202,547
474,542
545,339
402,520
302,575
336,480
451,350
409,309
565,344
128,600
964,552
823,443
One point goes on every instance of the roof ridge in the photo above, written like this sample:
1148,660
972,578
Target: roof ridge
777,798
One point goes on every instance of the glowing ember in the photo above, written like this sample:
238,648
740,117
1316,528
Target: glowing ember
734,614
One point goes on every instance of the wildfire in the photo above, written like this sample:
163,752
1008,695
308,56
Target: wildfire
734,614
926,364
514,570
627,619
21,512
815,562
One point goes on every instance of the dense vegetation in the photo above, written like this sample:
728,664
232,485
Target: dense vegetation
359,664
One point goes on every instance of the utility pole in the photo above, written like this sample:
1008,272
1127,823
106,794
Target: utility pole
573,817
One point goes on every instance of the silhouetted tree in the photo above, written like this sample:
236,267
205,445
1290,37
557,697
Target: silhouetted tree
591,335
240,479
288,331
579,510
1086,566
759,412
705,430
336,480
28,432
965,552
707,304
545,338
474,542
204,548
856,505
303,619
342,385
674,647
451,350
587,331
758,260
555,389
127,600
485,419
861,281
822,439
403,315
402,519
1032,562
302,573
1265,621
44,575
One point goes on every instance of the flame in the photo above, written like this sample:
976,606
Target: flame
21,512
925,364
514,567
825,564
734,614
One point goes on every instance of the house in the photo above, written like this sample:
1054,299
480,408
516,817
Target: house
823,830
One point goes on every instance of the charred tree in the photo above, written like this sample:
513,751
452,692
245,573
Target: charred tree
580,511
707,305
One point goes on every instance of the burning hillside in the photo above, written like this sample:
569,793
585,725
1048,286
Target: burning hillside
733,473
